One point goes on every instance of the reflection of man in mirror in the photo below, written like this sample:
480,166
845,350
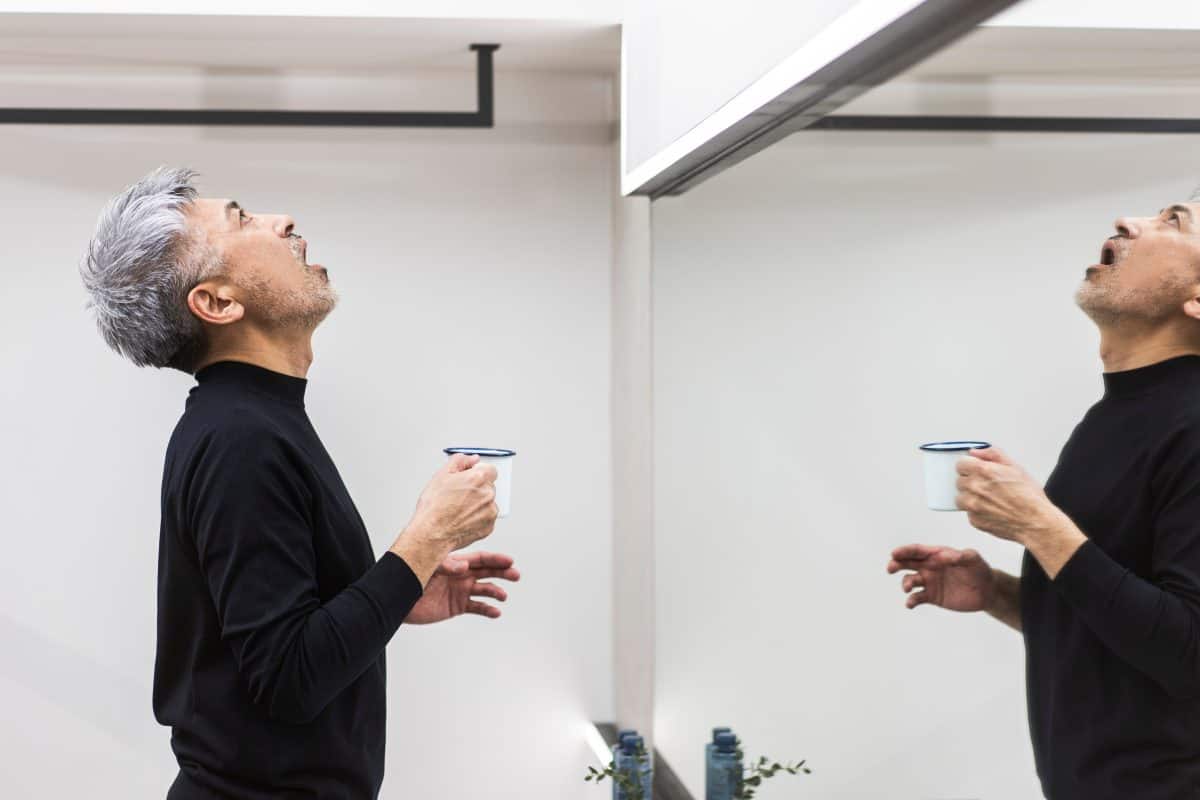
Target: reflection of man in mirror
273,611
1108,599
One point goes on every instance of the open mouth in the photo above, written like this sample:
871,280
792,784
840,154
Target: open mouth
1108,254
299,249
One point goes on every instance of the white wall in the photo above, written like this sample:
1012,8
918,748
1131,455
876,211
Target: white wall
633,465
474,270
819,311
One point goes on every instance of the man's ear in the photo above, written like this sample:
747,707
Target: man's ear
217,303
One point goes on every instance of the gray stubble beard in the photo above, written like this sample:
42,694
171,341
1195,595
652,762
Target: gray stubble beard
295,309
1147,307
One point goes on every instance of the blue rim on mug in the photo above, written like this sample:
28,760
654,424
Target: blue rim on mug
954,447
490,452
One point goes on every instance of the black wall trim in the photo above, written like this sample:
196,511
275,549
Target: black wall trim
667,785
482,117
1007,124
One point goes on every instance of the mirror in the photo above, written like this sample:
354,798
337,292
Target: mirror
820,310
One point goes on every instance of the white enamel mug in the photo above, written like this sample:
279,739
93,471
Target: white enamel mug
502,460
941,473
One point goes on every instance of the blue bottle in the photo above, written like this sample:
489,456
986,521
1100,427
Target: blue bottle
621,759
642,773
727,769
710,781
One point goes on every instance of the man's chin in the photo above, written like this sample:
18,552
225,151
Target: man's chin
329,301
1093,304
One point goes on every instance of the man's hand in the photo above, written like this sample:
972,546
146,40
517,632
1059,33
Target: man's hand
456,509
959,580
999,497
460,579
1002,499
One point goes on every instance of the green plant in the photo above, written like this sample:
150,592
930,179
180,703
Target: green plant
761,770
748,783
631,784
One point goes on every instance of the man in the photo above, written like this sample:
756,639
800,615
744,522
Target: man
273,612
1108,599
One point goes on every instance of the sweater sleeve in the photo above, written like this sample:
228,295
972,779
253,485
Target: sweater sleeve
1151,622
250,516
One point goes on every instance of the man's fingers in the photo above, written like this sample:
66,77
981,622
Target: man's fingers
483,609
510,574
460,462
490,565
945,557
917,598
912,581
455,567
914,552
486,472
480,559
491,590
994,454
969,465
966,556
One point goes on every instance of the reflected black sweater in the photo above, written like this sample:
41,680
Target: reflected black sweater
273,613
1113,643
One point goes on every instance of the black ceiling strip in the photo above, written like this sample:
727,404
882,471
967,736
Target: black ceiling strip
986,124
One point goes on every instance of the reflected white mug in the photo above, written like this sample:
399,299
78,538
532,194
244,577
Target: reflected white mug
941,473
500,459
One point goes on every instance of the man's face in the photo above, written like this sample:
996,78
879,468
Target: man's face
1147,271
267,261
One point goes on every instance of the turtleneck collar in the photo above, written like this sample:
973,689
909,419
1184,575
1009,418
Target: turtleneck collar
1136,381
255,378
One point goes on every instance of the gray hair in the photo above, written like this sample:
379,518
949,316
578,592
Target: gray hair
140,265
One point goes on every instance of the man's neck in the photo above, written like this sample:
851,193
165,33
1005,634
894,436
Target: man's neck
1130,348
287,355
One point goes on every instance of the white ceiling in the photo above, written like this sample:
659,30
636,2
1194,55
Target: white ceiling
302,44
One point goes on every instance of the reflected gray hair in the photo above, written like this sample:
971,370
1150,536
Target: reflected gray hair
142,261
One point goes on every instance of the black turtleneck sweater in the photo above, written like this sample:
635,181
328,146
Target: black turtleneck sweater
1113,643
273,612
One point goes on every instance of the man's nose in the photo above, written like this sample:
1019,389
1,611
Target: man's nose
1129,227
282,224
